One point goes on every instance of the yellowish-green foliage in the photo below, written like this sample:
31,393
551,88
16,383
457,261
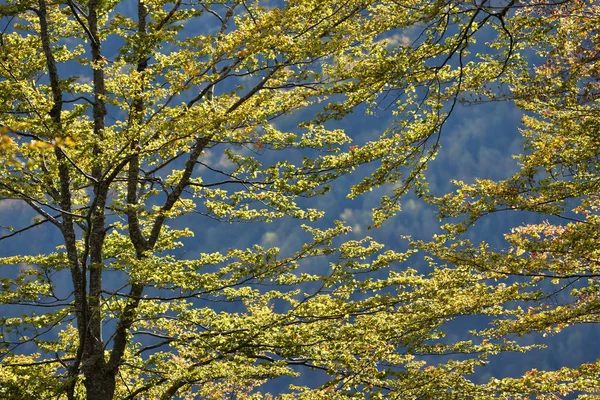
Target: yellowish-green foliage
118,117
558,178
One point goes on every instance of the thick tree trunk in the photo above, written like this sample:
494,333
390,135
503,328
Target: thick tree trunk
100,380
99,383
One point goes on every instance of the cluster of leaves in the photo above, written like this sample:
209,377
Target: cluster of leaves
177,109
557,178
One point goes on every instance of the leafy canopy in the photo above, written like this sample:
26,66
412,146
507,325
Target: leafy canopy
120,118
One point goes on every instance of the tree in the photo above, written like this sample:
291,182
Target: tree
557,258
121,117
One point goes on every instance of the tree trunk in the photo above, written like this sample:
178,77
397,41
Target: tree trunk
99,383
